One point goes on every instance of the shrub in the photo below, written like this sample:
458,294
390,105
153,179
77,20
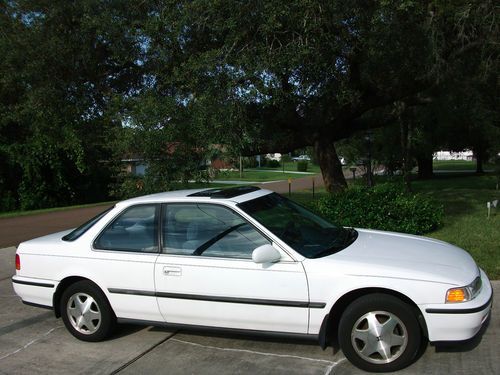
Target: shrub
271,163
249,162
7,201
302,166
384,207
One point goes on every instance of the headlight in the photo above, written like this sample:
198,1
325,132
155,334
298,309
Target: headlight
465,293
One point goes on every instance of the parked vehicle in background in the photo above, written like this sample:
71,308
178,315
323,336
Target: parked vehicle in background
247,259
301,158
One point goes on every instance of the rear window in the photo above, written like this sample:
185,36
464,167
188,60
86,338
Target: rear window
73,235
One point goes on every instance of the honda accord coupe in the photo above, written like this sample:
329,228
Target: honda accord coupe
249,260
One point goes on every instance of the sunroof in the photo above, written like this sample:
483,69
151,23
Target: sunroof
225,193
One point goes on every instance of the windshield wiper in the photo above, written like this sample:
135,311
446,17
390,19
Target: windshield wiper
327,251
350,236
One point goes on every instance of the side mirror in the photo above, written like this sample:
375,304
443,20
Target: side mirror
266,254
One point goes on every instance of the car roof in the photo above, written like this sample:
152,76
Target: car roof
236,194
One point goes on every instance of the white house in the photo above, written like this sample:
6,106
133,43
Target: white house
449,155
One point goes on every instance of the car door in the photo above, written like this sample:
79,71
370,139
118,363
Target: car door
126,251
205,274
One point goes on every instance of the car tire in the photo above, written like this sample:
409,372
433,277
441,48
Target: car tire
86,312
379,333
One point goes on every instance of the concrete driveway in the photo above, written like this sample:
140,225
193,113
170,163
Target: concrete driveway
33,341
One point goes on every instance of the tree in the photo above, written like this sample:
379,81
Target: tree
255,76
295,74
157,131
62,63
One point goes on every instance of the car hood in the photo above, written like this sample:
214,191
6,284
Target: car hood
403,256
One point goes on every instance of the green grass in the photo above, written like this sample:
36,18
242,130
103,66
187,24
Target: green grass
457,165
292,166
465,222
54,209
258,175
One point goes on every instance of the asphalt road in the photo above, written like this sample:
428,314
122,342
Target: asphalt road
33,341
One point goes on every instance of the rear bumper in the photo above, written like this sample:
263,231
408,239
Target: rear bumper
458,322
34,291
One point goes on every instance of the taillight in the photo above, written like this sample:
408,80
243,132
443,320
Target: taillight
18,262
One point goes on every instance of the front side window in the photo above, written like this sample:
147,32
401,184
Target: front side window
208,230
133,230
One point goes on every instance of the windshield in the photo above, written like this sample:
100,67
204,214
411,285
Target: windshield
304,231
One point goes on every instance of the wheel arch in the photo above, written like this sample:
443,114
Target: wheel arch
63,285
330,324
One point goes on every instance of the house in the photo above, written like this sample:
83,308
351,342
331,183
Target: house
450,155
137,166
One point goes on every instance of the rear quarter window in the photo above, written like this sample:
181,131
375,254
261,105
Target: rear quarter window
78,232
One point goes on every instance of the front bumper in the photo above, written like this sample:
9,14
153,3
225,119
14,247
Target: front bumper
461,321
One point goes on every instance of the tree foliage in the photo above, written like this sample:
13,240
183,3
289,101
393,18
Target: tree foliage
86,82
62,62
305,73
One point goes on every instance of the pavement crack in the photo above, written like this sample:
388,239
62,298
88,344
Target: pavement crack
30,343
124,366
331,363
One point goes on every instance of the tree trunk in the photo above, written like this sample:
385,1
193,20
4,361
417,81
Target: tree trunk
478,153
330,165
369,171
405,146
424,163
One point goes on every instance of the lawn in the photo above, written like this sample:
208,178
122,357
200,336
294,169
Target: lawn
292,166
465,222
457,165
258,175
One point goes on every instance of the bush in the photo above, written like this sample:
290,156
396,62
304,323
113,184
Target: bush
271,163
249,162
7,201
384,207
302,166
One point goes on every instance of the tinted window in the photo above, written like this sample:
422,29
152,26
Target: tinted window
133,230
73,235
208,230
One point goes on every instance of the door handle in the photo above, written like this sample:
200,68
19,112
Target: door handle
172,271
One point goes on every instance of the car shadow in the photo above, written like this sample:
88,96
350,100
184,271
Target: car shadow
123,330
462,346
217,333
439,347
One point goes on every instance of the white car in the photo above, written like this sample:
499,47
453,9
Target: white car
248,259
301,158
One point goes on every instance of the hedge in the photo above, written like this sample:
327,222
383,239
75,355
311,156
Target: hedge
384,207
